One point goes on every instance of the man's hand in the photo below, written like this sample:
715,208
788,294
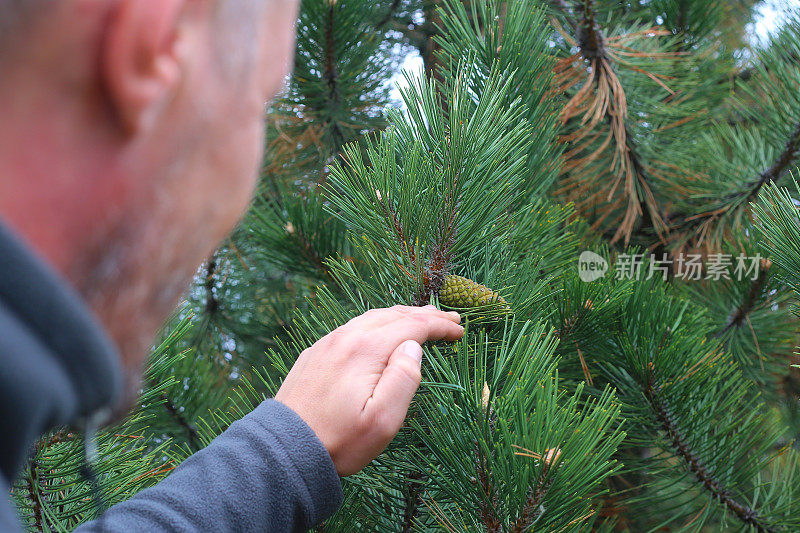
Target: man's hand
353,387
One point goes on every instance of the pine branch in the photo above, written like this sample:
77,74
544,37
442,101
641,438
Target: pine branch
681,23
56,438
308,251
441,254
561,5
397,226
490,520
33,474
188,427
680,19
590,38
487,504
412,499
212,304
748,516
389,14
648,221
429,50
442,250
742,311
531,510
781,163
331,76
602,98
750,191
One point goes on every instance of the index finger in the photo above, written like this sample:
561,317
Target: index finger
421,328
434,311
375,318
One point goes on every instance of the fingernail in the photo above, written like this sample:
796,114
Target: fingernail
454,315
429,306
413,349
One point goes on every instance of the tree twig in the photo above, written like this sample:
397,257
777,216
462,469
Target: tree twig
491,522
58,437
38,515
212,304
412,499
751,190
531,512
602,97
331,74
188,427
563,7
780,165
740,313
389,14
745,514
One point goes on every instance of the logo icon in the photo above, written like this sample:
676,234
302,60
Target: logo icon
591,266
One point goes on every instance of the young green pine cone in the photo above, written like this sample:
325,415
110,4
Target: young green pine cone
463,293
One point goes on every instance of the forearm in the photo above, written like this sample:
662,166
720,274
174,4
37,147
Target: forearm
267,472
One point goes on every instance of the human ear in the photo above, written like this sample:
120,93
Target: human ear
139,68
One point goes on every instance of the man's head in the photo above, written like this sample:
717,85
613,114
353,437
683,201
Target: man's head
131,137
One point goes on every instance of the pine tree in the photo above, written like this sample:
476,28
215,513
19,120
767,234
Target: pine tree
644,132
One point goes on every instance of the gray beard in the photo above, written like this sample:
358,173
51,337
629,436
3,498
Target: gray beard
132,286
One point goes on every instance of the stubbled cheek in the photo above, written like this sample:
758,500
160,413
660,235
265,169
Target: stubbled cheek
274,81
251,160
236,182
278,52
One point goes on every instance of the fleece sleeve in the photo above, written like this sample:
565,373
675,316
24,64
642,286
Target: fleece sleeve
268,472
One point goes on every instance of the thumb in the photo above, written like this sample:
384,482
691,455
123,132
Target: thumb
397,385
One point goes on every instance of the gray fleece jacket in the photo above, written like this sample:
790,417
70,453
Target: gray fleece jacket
268,472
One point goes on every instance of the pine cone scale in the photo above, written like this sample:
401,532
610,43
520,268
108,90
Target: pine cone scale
461,292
